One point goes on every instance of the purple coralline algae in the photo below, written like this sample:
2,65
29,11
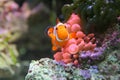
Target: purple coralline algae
94,55
102,64
85,74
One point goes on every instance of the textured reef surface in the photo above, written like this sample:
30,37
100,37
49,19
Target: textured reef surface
87,44
48,69
105,67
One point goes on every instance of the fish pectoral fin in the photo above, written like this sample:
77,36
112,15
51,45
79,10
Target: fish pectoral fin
53,37
54,48
72,35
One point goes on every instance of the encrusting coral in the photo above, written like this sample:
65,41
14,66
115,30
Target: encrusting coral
107,69
70,38
12,26
94,56
96,15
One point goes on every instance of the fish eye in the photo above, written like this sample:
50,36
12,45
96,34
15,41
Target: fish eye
56,28
65,26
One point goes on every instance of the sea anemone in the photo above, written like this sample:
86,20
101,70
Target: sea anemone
76,45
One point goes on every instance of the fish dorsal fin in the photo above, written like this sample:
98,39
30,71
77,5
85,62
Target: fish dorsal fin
57,21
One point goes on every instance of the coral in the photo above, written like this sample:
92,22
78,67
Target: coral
81,59
96,15
92,55
48,69
11,27
8,55
77,43
83,56
73,19
39,70
11,19
107,69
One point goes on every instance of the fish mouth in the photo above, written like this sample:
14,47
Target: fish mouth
60,40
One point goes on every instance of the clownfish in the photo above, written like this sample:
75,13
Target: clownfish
59,36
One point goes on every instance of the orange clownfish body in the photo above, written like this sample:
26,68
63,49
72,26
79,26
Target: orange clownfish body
59,36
